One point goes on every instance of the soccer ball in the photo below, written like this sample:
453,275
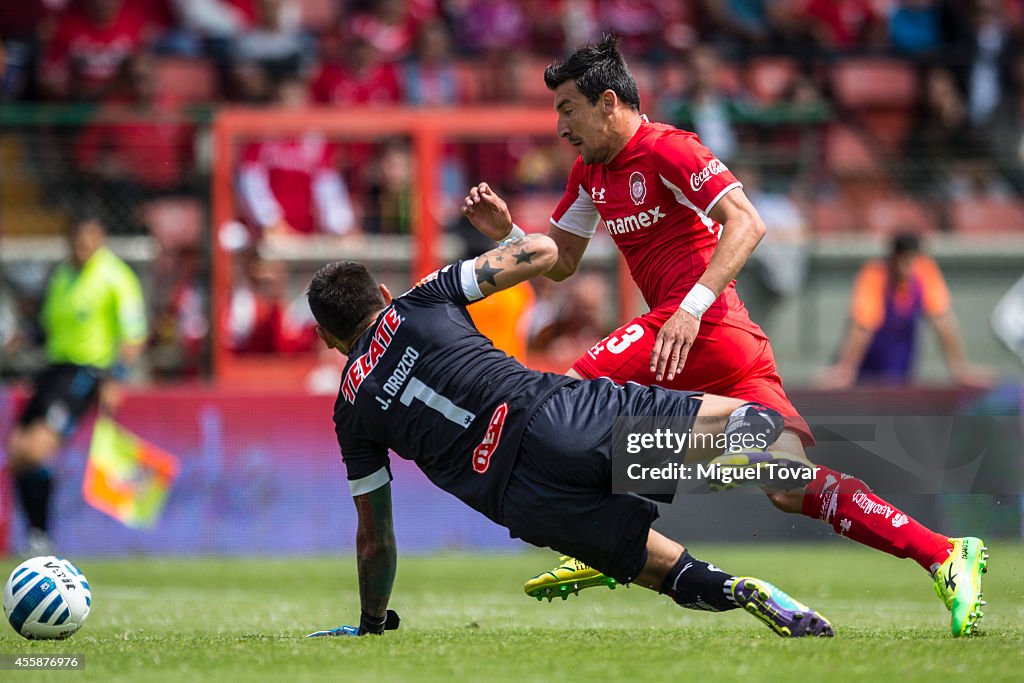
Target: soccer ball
46,598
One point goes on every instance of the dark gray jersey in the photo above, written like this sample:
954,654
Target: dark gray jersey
423,382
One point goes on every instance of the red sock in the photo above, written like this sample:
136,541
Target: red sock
855,512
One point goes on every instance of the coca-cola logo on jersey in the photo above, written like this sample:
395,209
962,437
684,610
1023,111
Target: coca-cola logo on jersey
698,179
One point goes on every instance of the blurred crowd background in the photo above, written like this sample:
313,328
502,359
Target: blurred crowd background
848,121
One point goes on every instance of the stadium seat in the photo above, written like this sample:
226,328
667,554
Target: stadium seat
533,210
891,214
832,216
529,76
768,78
319,16
986,215
185,81
467,75
874,83
847,154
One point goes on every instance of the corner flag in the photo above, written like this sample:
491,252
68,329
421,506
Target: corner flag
126,476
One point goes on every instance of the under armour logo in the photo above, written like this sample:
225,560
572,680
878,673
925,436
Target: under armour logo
596,194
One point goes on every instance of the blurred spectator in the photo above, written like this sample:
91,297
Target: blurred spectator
388,207
650,29
360,78
916,26
778,267
25,26
292,185
889,296
181,326
491,27
568,321
939,138
91,42
706,108
841,25
430,78
746,25
256,319
127,162
216,19
986,51
275,44
389,26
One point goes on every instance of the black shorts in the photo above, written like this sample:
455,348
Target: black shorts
61,395
559,493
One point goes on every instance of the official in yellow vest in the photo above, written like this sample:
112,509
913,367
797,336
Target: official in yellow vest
95,323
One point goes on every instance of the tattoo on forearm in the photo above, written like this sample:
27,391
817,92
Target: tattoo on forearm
376,555
525,256
485,274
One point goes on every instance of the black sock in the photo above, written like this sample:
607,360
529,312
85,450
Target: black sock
695,584
34,491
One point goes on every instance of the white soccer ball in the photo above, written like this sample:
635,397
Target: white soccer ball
47,598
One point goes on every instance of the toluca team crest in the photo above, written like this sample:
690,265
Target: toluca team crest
637,188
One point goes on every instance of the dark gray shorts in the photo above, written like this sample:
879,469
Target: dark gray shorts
559,494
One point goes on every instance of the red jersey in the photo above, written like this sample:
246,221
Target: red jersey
376,85
295,179
92,53
653,199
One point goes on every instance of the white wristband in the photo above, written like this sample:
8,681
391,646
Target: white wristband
698,300
514,233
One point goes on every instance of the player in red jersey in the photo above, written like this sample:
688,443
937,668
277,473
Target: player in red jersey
686,228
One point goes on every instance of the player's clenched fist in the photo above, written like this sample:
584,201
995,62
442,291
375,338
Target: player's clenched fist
673,344
487,212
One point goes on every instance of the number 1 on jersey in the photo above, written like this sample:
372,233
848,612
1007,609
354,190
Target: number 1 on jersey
417,389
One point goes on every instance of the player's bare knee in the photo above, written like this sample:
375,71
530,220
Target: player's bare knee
31,446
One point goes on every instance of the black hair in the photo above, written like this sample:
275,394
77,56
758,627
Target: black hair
904,243
86,214
342,295
594,69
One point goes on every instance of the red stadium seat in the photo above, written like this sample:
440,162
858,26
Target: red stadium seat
768,78
185,81
532,212
891,214
988,216
467,75
847,154
319,16
529,81
873,82
832,216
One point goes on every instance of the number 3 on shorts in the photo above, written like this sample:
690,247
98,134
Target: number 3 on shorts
628,336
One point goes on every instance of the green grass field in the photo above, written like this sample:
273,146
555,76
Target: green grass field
465,618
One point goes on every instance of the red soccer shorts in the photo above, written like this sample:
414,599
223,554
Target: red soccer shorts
724,360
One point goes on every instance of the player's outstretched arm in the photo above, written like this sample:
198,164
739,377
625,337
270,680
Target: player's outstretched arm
376,556
514,261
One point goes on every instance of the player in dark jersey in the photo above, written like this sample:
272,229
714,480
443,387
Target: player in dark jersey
529,450
685,227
